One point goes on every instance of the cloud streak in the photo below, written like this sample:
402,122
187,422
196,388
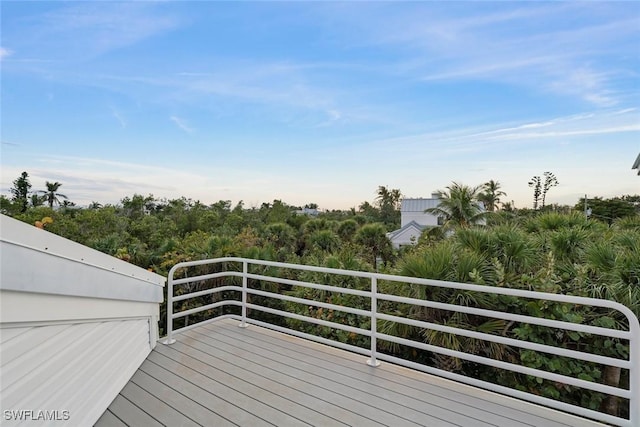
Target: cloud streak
5,53
478,44
103,26
182,124
119,117
508,137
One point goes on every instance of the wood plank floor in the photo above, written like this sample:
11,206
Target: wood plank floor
221,375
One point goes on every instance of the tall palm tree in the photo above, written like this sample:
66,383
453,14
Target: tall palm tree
373,238
491,195
459,206
51,194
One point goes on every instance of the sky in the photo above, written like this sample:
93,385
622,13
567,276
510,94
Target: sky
319,102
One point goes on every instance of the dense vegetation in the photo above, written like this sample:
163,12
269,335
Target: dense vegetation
558,250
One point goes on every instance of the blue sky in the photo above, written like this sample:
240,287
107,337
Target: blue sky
319,101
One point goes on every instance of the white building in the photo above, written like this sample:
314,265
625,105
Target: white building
414,219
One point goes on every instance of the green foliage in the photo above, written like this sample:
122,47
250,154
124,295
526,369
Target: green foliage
388,202
490,195
540,188
51,195
374,242
608,210
347,229
344,259
20,192
459,205
324,240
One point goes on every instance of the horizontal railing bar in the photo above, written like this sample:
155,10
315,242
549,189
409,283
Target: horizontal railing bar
207,277
430,282
205,322
589,357
207,292
204,308
587,413
329,288
310,337
558,324
510,366
310,319
281,297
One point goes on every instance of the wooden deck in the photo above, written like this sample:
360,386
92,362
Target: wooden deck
221,375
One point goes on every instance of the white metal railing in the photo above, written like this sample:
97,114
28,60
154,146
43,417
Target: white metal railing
242,271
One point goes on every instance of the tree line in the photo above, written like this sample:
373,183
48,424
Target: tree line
22,197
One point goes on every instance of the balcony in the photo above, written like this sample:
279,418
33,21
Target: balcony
236,369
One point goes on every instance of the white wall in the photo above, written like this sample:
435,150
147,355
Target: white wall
414,210
76,369
75,324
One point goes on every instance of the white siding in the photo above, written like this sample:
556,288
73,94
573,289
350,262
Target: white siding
75,325
78,367
404,237
68,268
18,307
414,210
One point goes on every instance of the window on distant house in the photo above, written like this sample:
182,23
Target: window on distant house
440,220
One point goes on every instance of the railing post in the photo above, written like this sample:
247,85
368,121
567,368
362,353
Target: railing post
634,372
374,322
169,340
245,271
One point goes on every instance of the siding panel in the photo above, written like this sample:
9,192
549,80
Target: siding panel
78,367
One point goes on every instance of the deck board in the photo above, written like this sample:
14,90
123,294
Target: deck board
130,414
438,391
165,414
361,384
179,399
219,374
109,420
330,388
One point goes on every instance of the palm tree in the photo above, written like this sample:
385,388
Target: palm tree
550,180
491,195
536,184
459,206
373,238
389,203
20,191
51,194
447,262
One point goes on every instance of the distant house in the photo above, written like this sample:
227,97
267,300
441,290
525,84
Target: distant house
414,219
307,211
414,210
407,235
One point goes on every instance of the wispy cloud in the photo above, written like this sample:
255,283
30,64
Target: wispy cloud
119,117
4,53
86,29
510,136
523,44
182,124
333,116
108,181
